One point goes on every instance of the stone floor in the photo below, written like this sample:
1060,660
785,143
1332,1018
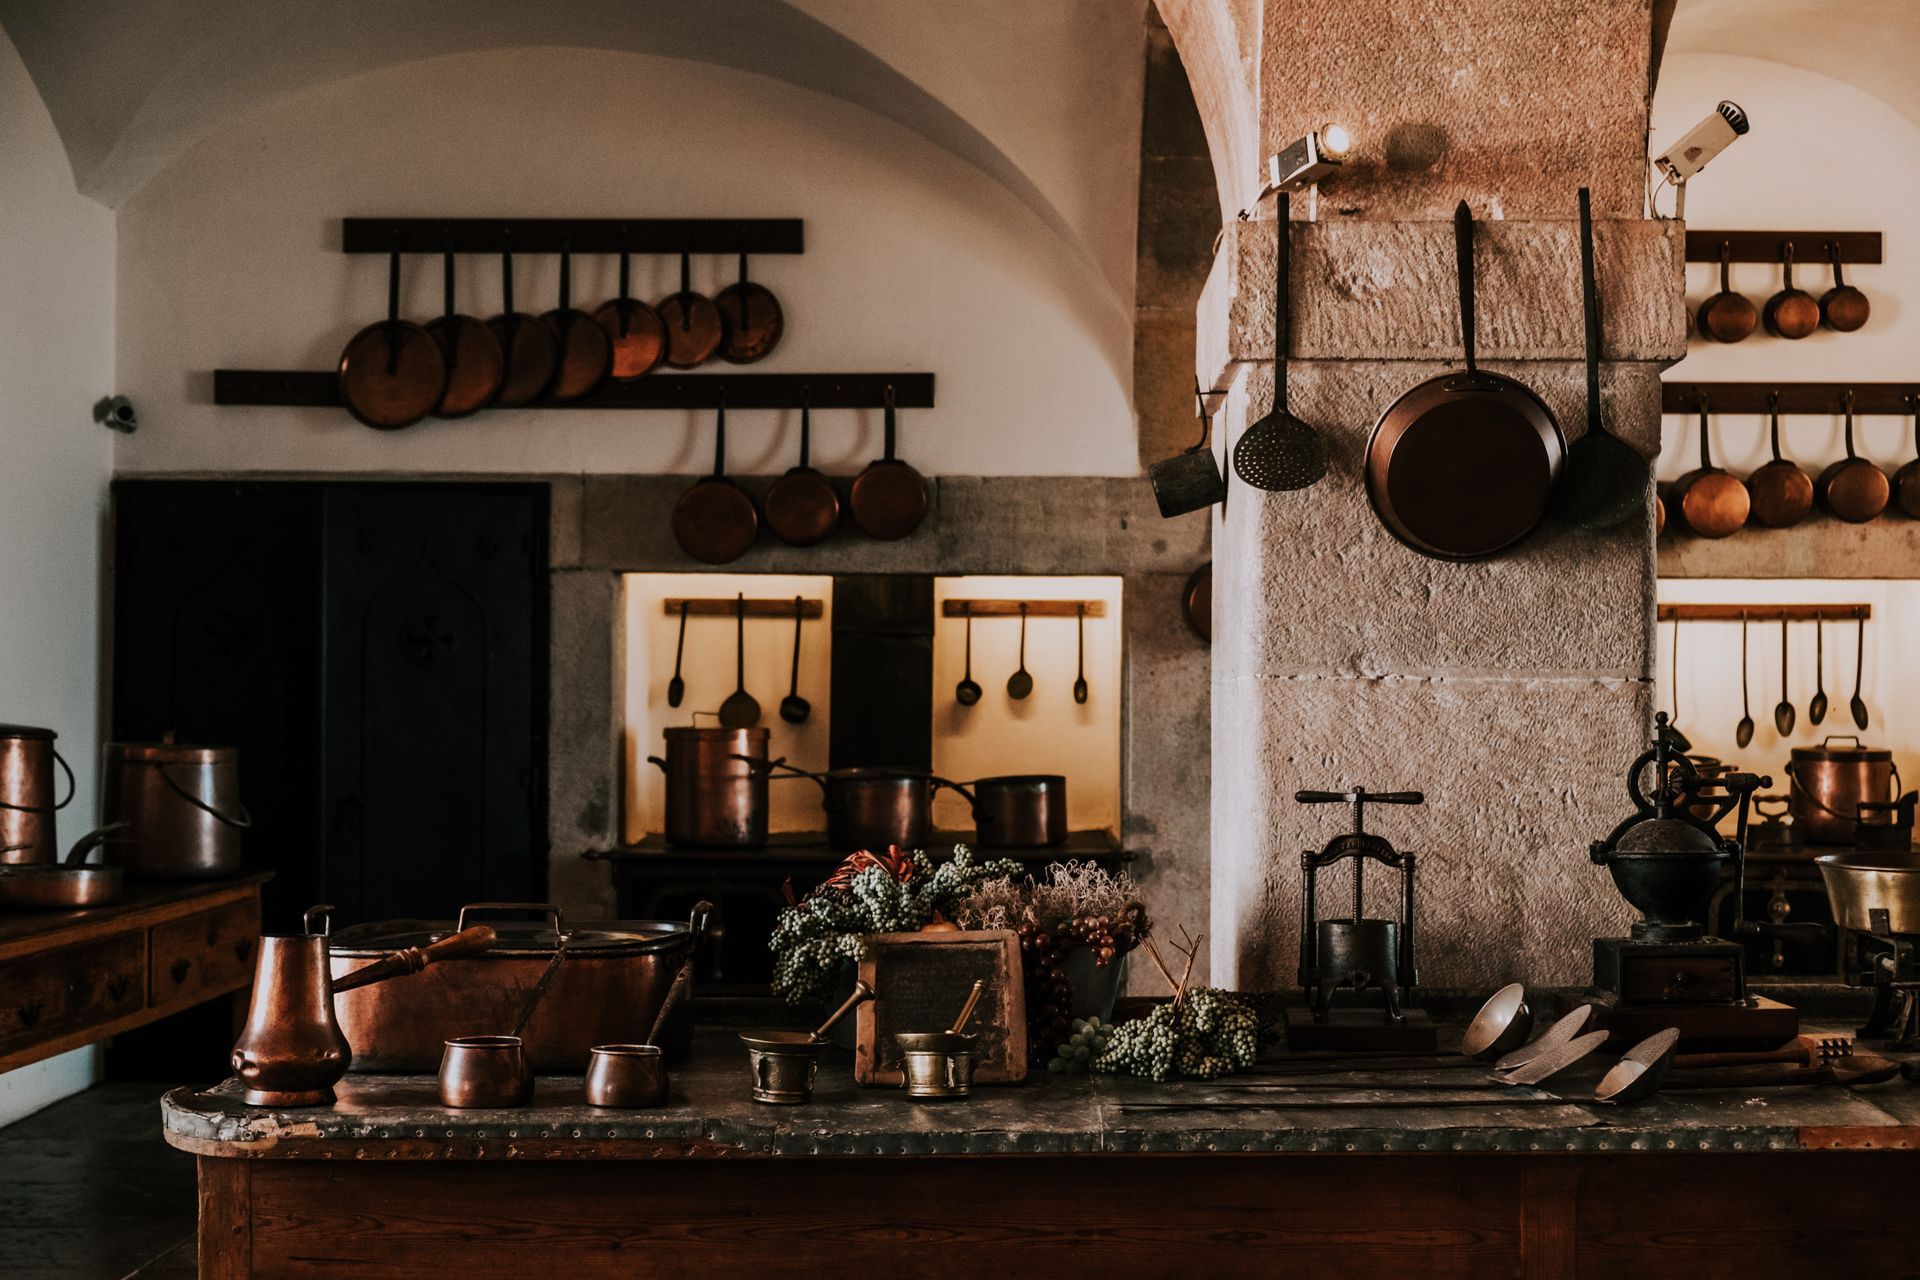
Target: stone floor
89,1189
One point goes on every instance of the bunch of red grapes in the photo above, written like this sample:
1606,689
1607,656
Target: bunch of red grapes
1043,955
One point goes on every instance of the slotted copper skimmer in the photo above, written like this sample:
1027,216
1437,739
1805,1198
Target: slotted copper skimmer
1281,453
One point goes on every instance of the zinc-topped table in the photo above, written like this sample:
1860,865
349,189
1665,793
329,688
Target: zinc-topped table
1056,1177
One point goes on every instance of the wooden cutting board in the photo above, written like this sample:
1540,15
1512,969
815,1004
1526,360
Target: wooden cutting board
921,980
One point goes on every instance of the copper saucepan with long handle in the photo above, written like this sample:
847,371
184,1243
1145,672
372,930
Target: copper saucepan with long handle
1853,489
1710,501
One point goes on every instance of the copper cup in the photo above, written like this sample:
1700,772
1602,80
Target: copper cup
485,1071
626,1075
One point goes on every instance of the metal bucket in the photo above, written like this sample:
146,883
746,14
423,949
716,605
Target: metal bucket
181,805
716,787
27,804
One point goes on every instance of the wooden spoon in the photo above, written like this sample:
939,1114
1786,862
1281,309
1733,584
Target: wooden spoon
741,710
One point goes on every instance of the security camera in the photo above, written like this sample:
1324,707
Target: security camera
1703,142
116,414
1308,160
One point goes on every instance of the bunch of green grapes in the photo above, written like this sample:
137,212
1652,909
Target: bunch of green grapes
1209,1033
1087,1042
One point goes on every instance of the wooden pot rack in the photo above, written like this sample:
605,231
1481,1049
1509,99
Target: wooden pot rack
306,388
574,235
1795,397
729,607
1034,608
1809,247
1765,612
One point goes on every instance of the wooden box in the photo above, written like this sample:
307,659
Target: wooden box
921,980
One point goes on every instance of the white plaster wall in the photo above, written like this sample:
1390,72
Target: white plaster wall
915,260
1821,155
56,358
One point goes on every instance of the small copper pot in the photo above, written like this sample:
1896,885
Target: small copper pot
626,1075
181,805
716,788
1022,811
485,1071
27,804
1830,782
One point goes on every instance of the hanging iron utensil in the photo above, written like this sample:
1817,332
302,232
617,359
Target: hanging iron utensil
1462,466
751,319
1791,313
1843,308
741,710
1817,706
585,352
1191,479
1020,683
1858,705
677,687
636,335
888,500
716,521
1853,489
1711,502
693,325
1743,732
532,350
966,693
1080,681
476,364
1281,453
1783,711
1604,482
795,709
392,373
801,506
1906,481
1726,316
1781,491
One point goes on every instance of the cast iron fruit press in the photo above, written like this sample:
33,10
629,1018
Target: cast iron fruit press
1356,953
1666,860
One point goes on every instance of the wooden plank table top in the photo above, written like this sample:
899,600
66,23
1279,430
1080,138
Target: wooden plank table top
145,902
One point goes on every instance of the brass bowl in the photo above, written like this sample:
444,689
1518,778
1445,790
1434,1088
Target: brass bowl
1860,883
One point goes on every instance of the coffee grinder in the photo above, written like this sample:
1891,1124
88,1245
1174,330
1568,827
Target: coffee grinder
1666,860
1356,953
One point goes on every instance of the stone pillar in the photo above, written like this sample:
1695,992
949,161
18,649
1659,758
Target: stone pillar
1512,691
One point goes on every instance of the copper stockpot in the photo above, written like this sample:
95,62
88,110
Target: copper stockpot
1830,783
1020,811
181,805
872,807
614,978
716,787
27,804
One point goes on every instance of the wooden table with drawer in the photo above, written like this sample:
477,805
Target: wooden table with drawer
70,978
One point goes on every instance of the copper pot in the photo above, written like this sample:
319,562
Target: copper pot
615,977
485,1071
181,805
1022,811
716,788
1830,783
27,804
874,807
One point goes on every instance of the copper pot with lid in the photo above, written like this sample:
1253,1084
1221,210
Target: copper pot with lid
181,806
1840,786
716,787
27,804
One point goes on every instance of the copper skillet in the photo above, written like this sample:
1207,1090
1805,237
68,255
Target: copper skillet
1852,489
751,319
476,363
1906,482
802,507
634,330
1726,316
533,350
1710,502
1462,466
888,500
585,352
715,521
1782,492
694,327
392,372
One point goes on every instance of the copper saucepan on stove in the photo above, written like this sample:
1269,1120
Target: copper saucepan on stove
716,787
1017,811
873,807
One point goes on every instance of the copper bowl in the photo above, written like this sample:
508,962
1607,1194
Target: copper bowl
485,1071
626,1075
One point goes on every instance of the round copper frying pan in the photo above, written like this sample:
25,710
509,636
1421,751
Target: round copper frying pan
802,507
1853,489
1906,481
1782,493
586,353
476,365
889,499
694,327
531,346
1710,502
634,330
392,373
1462,466
715,521
751,317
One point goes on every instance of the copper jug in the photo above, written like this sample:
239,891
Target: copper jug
27,804
292,1052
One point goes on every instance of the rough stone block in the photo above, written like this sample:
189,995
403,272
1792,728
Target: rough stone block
583,737
1520,776
1179,218
1817,547
564,521
1163,401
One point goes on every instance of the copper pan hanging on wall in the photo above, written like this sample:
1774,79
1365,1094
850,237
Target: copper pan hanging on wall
751,319
1782,492
584,351
802,507
693,323
888,500
533,351
635,332
392,372
1462,466
476,364
716,521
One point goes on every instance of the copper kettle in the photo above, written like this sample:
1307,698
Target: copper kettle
292,1051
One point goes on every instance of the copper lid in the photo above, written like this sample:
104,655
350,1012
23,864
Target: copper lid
516,939
27,731
1855,754
700,733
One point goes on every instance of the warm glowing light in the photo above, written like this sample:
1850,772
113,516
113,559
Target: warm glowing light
1334,142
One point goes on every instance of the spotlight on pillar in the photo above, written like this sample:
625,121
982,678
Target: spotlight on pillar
1702,143
1307,161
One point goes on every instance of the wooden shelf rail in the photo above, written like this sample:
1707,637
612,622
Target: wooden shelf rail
302,388
1809,247
1035,608
1765,612
728,607
577,235
1795,397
